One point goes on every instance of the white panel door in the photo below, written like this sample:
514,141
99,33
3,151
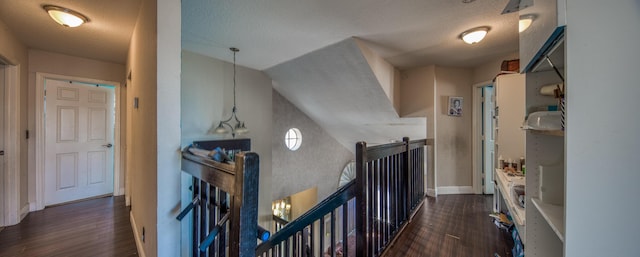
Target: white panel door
79,120
489,143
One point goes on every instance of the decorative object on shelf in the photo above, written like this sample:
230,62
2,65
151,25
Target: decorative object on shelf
474,35
64,16
238,128
543,120
455,106
510,65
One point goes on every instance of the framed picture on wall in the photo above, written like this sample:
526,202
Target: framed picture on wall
455,106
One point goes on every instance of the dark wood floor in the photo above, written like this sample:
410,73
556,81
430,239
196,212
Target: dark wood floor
452,226
98,227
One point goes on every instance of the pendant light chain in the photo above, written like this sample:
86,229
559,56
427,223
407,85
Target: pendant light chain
235,50
239,128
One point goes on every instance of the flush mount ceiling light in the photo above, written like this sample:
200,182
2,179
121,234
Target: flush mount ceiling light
525,21
65,17
474,35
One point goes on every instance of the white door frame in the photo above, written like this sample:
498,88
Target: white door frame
476,146
12,210
40,133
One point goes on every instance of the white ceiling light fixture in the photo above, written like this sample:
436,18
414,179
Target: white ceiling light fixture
474,35
64,16
525,21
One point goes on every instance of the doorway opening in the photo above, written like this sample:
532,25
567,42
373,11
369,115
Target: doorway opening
12,205
2,129
77,139
483,138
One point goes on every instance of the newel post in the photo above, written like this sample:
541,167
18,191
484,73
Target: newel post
362,248
244,222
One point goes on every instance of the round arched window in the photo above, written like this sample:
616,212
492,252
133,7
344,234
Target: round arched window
293,139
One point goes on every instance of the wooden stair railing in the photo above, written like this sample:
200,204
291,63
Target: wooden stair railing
224,206
390,183
388,189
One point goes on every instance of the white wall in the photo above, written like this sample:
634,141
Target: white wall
207,97
168,126
602,141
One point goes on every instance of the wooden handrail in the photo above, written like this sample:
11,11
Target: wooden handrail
327,205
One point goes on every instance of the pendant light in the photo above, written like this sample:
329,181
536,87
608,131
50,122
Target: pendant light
238,128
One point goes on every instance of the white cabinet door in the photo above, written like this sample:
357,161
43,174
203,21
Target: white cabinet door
510,99
79,141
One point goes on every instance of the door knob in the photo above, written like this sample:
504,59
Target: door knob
109,145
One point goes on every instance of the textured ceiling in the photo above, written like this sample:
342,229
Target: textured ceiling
105,37
408,33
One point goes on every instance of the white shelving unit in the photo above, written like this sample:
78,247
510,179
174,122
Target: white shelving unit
545,150
599,214
553,214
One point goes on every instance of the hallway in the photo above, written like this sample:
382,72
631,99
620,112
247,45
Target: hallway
453,226
97,227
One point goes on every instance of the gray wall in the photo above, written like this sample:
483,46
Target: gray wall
318,162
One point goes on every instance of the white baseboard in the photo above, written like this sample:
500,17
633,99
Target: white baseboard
136,235
127,200
32,206
24,211
119,192
432,192
455,190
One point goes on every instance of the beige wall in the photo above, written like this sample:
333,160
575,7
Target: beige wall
14,52
60,64
303,201
141,127
386,74
207,98
489,70
416,93
417,90
453,134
